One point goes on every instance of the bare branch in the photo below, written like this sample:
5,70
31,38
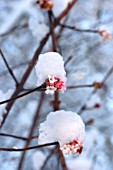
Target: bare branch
35,119
74,28
17,137
40,88
8,67
28,148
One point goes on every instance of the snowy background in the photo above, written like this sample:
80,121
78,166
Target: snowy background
91,60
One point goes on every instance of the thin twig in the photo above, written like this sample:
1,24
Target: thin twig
8,67
54,42
110,71
18,27
66,62
83,107
40,88
47,159
80,86
74,28
35,119
3,73
56,102
64,167
28,148
17,137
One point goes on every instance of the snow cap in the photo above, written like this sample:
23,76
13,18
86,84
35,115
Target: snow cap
65,127
50,70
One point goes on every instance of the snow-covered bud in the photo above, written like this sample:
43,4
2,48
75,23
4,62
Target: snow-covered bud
105,34
45,4
50,70
65,127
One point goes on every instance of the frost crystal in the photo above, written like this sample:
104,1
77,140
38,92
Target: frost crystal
65,127
2,107
50,70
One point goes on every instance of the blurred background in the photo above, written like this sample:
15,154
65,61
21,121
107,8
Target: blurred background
88,57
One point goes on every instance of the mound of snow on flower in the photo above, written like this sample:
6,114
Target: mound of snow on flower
50,70
65,127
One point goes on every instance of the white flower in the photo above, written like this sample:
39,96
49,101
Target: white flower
50,70
51,79
50,90
2,107
65,127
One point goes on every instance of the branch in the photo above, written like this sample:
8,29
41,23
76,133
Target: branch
14,67
74,28
18,27
56,95
80,86
97,86
62,158
40,88
48,157
28,148
18,137
110,71
8,67
32,128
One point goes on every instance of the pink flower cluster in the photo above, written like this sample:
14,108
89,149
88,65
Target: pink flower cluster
72,148
53,84
105,34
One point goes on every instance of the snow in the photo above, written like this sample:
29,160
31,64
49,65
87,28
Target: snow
63,127
51,66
